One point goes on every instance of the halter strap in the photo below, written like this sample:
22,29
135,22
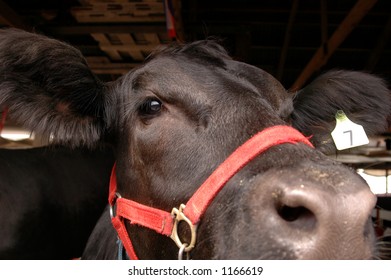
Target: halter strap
164,222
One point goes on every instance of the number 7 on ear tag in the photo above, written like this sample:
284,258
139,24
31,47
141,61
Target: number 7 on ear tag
348,134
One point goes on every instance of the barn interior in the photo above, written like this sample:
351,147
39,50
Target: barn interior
294,40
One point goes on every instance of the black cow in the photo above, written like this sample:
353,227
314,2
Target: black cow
50,200
174,120
103,243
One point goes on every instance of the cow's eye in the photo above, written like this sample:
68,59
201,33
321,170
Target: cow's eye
151,107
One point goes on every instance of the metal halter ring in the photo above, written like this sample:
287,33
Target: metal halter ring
180,216
112,206
181,251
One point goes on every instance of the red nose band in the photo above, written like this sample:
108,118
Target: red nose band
165,222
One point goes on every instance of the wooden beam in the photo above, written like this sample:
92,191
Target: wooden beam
288,31
129,46
102,65
104,41
11,18
108,29
380,46
126,11
124,44
320,58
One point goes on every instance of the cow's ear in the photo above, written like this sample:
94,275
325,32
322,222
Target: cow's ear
364,98
48,87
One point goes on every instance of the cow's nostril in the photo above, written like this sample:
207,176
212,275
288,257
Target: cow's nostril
291,213
298,216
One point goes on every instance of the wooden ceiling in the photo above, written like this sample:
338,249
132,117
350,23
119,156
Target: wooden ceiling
292,39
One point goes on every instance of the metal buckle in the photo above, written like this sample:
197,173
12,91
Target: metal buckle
180,216
112,207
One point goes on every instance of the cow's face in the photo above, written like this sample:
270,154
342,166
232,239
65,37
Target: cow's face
175,119
184,117
191,116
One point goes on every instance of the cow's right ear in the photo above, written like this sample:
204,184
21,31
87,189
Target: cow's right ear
48,87
363,97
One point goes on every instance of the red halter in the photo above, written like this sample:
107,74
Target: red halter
166,223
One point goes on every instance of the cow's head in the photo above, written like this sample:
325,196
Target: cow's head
179,116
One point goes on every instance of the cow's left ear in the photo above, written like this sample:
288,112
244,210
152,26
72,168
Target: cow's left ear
48,87
364,98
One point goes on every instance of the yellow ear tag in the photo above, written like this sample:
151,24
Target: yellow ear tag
348,134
